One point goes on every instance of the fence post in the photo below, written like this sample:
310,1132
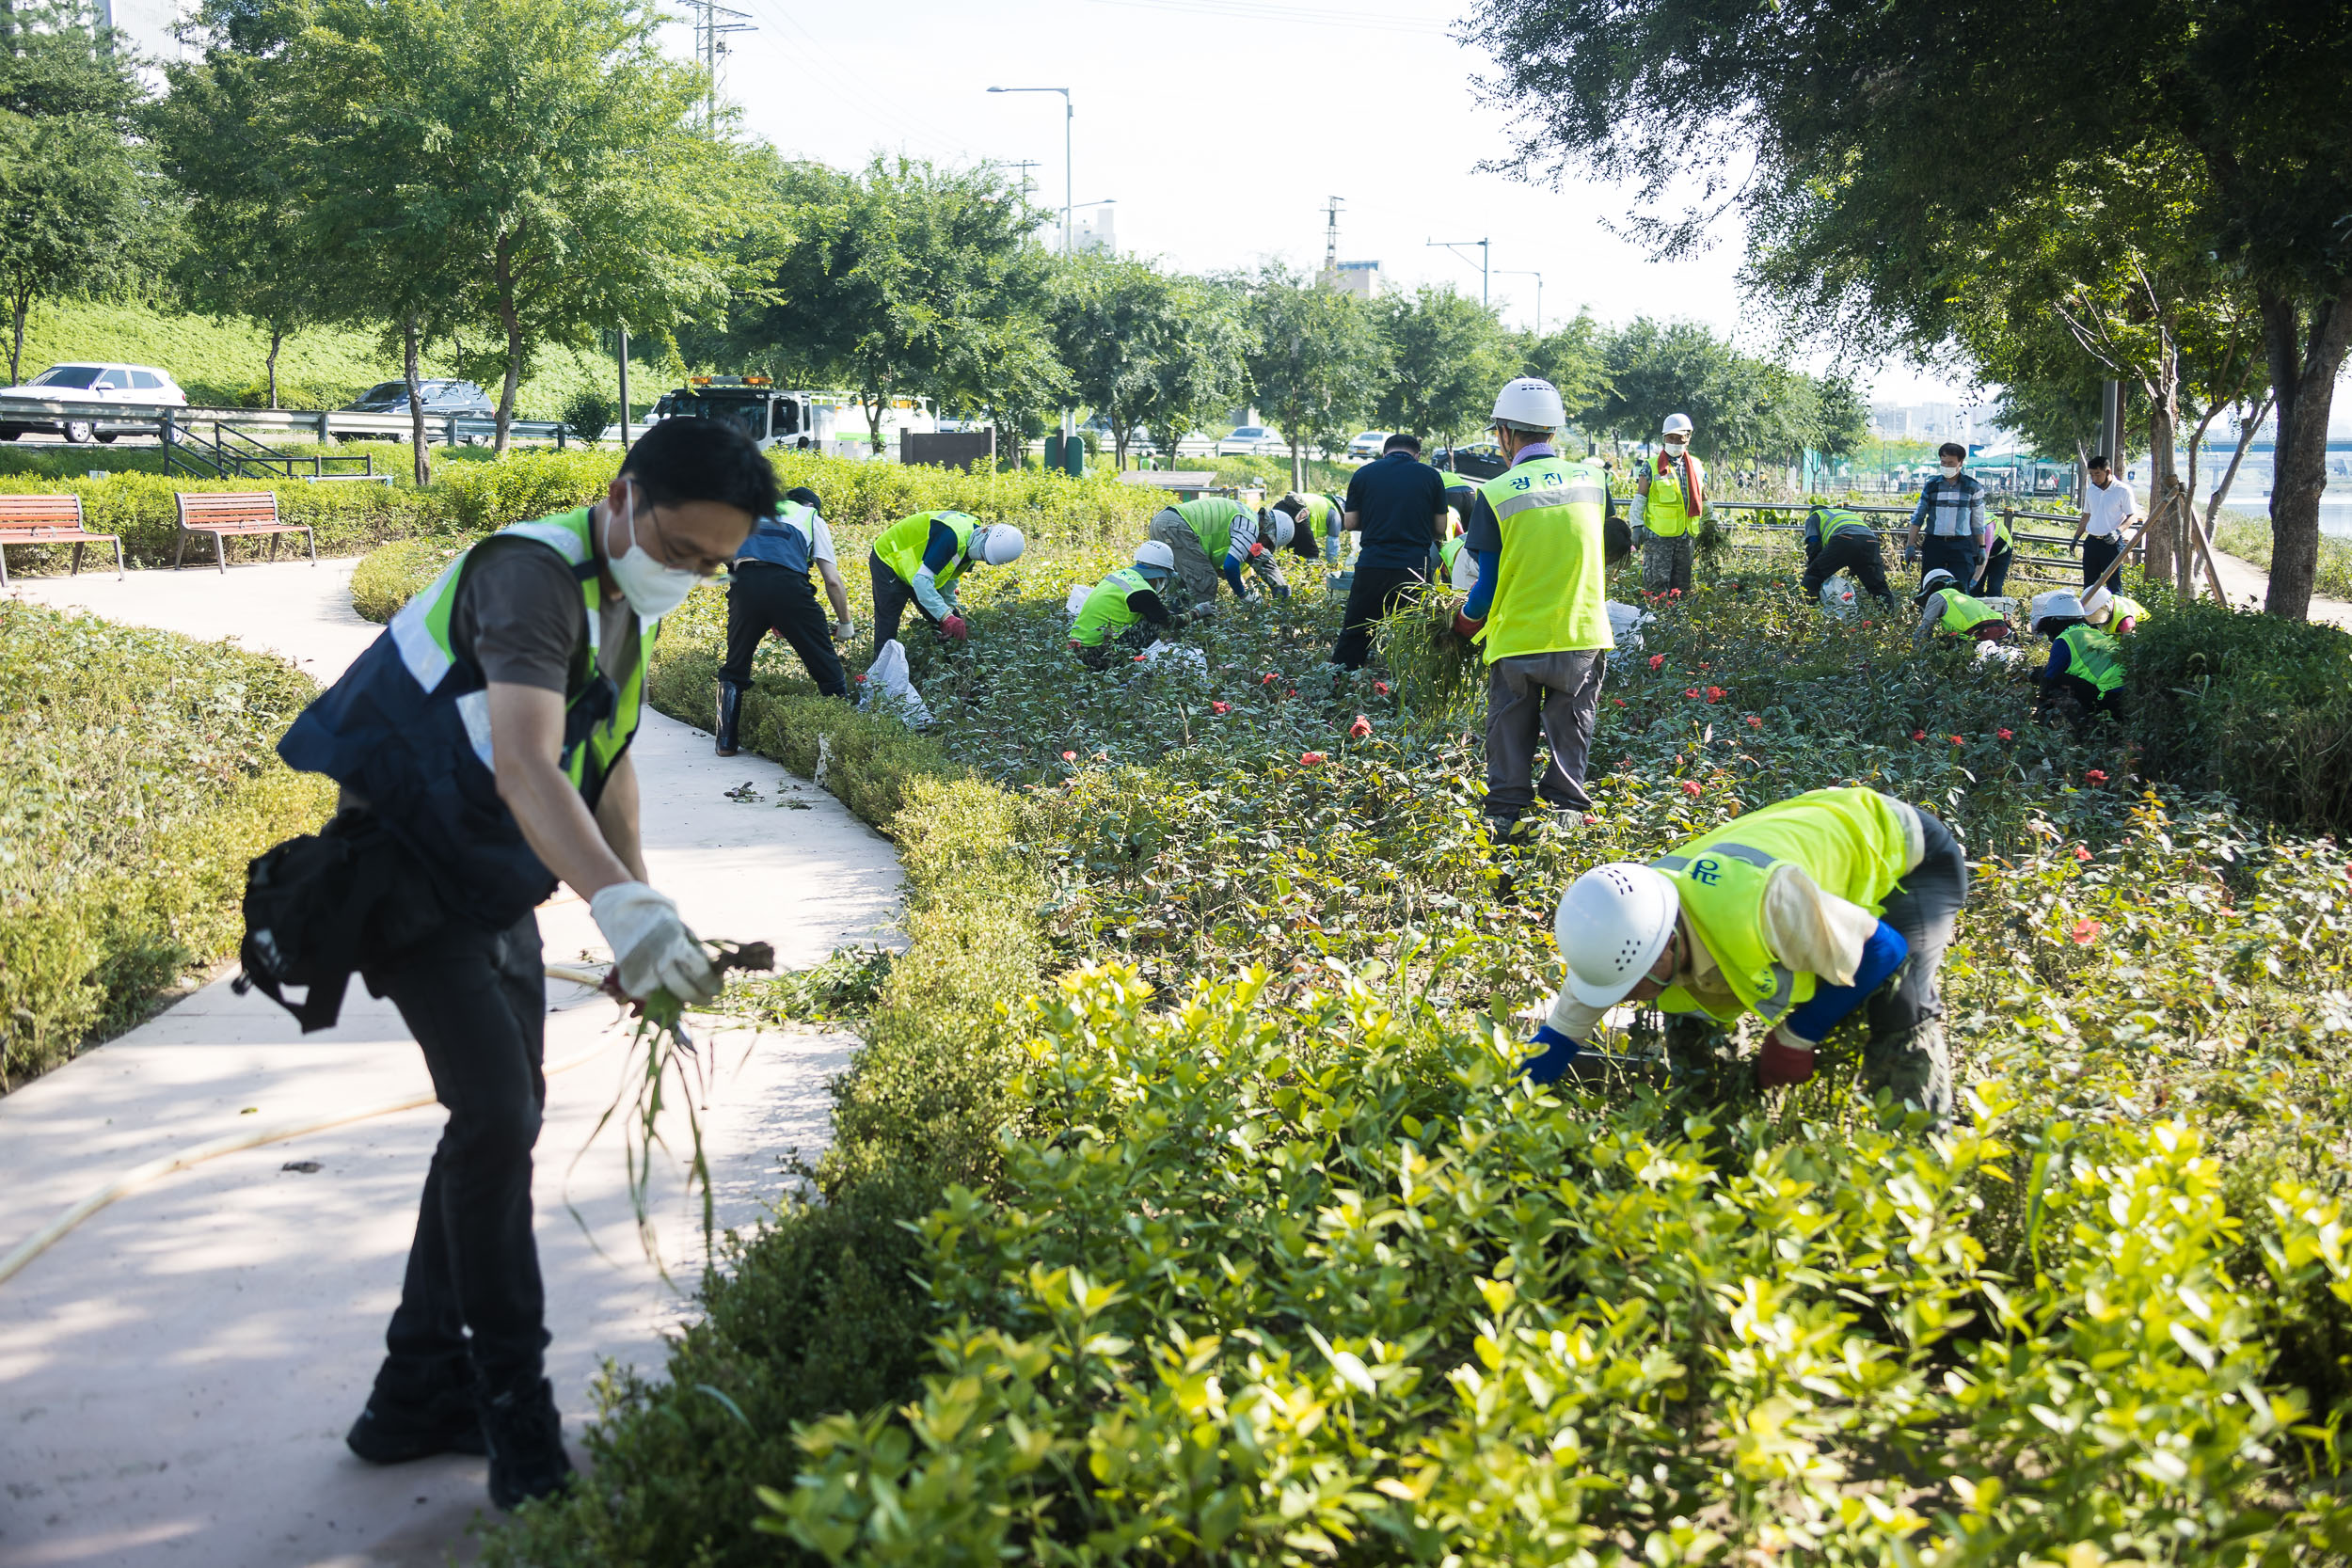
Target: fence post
559,437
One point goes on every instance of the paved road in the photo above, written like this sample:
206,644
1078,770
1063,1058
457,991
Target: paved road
176,1375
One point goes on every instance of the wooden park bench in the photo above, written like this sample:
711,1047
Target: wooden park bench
221,514
49,520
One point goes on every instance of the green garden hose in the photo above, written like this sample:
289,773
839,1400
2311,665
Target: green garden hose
155,1170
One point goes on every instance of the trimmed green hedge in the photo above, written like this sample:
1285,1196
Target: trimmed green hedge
136,779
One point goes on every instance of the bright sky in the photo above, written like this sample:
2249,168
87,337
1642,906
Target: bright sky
1221,128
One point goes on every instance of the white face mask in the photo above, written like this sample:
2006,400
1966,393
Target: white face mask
1676,444
652,588
1951,471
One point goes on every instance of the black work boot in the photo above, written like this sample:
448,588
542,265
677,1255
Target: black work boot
730,715
416,1410
525,1436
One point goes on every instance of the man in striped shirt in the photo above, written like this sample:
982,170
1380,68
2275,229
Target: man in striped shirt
1952,518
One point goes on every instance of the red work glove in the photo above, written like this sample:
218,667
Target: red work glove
953,626
1780,1065
1466,628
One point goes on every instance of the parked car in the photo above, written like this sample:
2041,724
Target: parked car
89,381
1482,461
1197,444
441,396
1367,445
1253,440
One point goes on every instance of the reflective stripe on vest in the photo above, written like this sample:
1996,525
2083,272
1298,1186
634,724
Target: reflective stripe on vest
902,544
1673,520
421,631
1552,589
1852,842
1107,610
1830,521
1212,519
1962,614
2093,656
784,540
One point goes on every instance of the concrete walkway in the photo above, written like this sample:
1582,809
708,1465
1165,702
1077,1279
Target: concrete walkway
2249,585
176,1375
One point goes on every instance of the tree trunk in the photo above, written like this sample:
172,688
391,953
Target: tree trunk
2164,424
510,318
2229,476
2303,378
23,304
420,454
1298,467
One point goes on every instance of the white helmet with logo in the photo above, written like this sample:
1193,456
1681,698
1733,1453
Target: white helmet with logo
997,544
1677,424
1155,559
1612,923
2057,605
2095,603
1530,402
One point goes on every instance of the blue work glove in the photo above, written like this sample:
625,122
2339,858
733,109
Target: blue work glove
1549,1067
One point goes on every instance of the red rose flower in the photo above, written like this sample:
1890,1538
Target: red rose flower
2005,735
1070,756
1657,661
1220,707
1310,759
1960,740
1691,692
2086,932
1361,728
1592,822
2081,853
1918,735
1754,722
1269,679
1690,786
2095,776
1714,693
1381,686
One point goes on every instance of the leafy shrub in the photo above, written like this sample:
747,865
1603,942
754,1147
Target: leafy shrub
589,414
1241,1245
136,779
391,575
2239,700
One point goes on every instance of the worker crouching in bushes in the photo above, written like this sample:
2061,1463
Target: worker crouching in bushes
1836,539
1315,528
1945,612
918,559
1797,914
1125,611
2112,613
1212,538
483,746
769,591
2085,675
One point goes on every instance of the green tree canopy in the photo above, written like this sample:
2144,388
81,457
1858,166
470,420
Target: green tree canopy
1319,364
1446,356
1148,349
1574,358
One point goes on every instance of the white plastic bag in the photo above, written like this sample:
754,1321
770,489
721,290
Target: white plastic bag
1837,596
1177,655
1079,593
1625,624
889,687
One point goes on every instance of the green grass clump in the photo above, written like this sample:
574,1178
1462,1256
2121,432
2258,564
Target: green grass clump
1186,1207
136,779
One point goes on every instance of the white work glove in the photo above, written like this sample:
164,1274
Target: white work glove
844,630
652,949
1641,533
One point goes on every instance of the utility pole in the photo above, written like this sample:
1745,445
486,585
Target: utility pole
1331,244
710,45
1485,259
1538,276
1025,166
625,389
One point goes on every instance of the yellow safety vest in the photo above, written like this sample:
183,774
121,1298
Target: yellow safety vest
1107,610
2127,609
1211,520
1962,614
2093,656
1852,842
1552,587
1672,520
902,544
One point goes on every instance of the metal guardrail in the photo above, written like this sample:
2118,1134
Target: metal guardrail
2049,565
155,419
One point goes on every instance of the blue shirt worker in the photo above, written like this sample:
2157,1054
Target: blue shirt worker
1796,914
1948,527
918,560
483,746
1396,506
769,591
1213,538
1540,610
2084,678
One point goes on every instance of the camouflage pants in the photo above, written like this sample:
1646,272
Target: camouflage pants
1666,564
1907,1055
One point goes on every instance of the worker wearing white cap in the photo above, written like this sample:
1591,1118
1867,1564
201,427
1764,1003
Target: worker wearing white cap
1670,499
2084,675
1797,914
2115,614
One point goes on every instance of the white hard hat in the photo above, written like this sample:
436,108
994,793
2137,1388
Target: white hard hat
1153,556
1938,579
1281,530
1677,424
2095,601
2057,605
997,544
1612,923
1531,402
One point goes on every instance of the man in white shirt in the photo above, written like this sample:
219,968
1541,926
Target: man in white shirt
2109,508
767,589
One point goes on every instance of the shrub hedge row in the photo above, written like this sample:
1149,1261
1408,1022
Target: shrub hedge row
136,779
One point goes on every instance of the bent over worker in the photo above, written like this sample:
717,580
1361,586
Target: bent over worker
2085,675
483,746
1315,528
1125,609
1945,612
2117,615
768,590
1796,914
1212,537
1540,608
1836,539
918,561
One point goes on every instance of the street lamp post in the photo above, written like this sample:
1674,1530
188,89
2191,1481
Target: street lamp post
1069,184
1539,294
1485,259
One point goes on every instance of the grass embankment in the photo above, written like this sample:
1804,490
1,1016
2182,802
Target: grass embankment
224,363
2249,539
136,779
1241,1243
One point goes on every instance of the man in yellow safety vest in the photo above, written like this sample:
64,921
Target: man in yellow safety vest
1540,607
1670,499
918,561
2084,675
1797,915
1945,610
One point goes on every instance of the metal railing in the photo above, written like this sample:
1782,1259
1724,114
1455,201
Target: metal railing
2033,565
166,421
230,453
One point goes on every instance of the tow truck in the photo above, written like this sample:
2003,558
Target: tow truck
831,422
